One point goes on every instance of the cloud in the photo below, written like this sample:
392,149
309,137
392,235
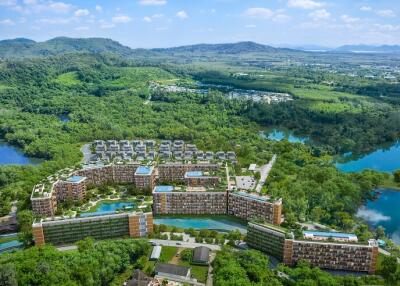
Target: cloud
261,13
182,14
250,26
30,2
305,4
152,2
54,21
98,8
81,12
366,8
371,216
387,27
121,19
150,19
7,22
319,15
281,18
59,7
387,13
8,2
348,19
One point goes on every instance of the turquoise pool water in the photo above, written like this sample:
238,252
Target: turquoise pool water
384,212
10,155
222,224
108,208
10,245
383,160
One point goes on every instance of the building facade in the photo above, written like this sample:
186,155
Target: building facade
323,254
67,231
196,203
252,206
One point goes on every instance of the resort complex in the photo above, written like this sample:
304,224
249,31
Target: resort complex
182,180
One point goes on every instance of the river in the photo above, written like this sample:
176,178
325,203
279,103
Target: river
10,155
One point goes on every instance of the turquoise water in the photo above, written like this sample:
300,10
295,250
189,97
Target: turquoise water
10,245
222,224
108,208
10,155
384,212
281,134
384,160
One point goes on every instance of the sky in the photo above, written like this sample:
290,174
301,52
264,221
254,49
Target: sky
168,23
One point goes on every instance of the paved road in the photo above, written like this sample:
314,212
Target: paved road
210,270
184,244
86,153
264,172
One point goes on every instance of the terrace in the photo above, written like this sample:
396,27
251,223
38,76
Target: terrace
144,170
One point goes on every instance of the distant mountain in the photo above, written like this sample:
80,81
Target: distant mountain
311,48
230,48
28,48
369,48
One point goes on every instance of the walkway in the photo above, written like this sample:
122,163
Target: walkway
184,244
264,172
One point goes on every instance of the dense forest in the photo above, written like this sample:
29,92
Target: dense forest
108,97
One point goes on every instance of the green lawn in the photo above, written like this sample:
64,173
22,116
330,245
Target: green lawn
167,253
68,79
199,272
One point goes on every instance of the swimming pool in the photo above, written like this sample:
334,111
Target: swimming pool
106,208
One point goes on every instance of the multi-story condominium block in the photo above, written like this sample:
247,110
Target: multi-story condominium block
168,201
220,155
333,255
97,175
175,172
252,206
198,178
145,177
346,256
73,188
43,200
67,231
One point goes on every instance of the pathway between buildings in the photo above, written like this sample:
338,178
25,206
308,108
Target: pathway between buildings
264,172
183,244
86,153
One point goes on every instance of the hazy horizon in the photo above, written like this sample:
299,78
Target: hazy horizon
169,23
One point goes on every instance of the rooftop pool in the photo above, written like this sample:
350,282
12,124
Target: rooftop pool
106,208
218,223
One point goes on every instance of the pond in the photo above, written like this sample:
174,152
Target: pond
383,160
10,155
384,212
64,118
219,223
105,208
282,134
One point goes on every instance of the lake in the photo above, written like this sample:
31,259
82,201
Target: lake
384,212
219,223
282,134
383,159
10,155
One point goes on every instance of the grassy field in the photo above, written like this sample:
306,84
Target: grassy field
68,79
199,272
167,253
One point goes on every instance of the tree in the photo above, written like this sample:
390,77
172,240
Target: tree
390,270
396,175
85,244
25,220
8,275
186,255
380,232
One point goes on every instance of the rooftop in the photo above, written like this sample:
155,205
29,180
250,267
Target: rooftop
194,174
143,170
201,254
252,196
172,269
331,234
75,179
163,189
